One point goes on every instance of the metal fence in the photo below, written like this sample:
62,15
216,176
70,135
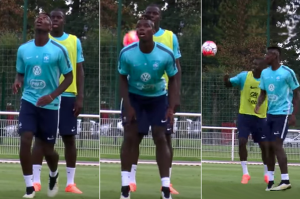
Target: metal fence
87,142
221,143
186,139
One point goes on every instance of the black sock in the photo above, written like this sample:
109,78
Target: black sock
29,190
125,191
166,191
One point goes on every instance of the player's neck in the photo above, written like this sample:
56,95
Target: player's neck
56,33
275,66
256,74
156,28
41,38
146,47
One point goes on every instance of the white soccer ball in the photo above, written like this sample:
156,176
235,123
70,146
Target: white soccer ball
209,48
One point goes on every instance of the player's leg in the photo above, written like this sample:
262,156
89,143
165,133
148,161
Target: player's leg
244,128
27,128
156,111
135,151
48,123
280,129
37,160
68,131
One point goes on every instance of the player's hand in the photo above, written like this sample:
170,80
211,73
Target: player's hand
292,120
256,110
170,116
130,114
78,106
16,86
43,101
226,78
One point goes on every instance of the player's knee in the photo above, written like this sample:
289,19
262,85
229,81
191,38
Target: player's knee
69,141
242,142
159,139
26,138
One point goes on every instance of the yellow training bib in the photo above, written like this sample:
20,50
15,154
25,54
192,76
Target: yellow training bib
249,97
166,39
71,45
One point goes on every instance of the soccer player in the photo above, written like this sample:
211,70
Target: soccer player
40,62
280,85
145,100
248,120
71,104
169,39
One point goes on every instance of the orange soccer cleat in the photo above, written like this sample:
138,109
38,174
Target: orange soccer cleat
37,187
245,179
266,179
132,187
172,190
73,189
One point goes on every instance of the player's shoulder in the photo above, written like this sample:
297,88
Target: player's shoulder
130,47
57,45
287,69
266,70
243,73
162,47
26,44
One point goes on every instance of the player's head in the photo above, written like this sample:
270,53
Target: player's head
154,11
58,19
259,64
145,28
43,22
273,55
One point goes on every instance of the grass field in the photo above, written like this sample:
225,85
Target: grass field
13,186
186,179
224,181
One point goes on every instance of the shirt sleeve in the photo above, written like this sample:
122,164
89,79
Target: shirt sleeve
80,57
20,65
238,80
262,82
292,80
64,62
176,48
122,65
171,68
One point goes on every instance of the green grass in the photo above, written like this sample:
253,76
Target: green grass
224,181
13,186
185,179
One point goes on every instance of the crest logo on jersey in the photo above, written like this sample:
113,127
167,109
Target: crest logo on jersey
271,87
37,70
145,77
155,65
46,57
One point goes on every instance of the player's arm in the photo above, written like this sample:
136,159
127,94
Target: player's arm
20,66
80,71
177,55
171,70
263,94
294,85
65,68
123,71
235,81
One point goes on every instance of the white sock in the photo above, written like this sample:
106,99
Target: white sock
132,174
53,174
271,175
265,169
125,175
28,180
165,182
285,177
70,175
37,173
244,166
170,172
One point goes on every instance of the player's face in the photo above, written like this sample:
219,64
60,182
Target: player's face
271,56
144,30
43,22
57,18
154,13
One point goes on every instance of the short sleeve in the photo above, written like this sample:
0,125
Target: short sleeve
176,48
80,57
64,61
122,65
292,80
238,80
20,65
171,68
262,82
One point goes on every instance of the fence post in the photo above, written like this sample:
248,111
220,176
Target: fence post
3,93
232,145
25,21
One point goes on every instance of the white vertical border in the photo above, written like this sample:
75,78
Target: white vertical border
201,99
99,100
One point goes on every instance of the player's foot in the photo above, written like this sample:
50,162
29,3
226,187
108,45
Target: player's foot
172,190
37,186
53,186
270,185
166,193
73,189
245,179
30,193
132,187
284,185
266,178
125,192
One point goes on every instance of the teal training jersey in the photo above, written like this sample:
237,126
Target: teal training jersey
279,86
145,71
42,67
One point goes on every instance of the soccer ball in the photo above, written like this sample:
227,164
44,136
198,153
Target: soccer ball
130,37
209,48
